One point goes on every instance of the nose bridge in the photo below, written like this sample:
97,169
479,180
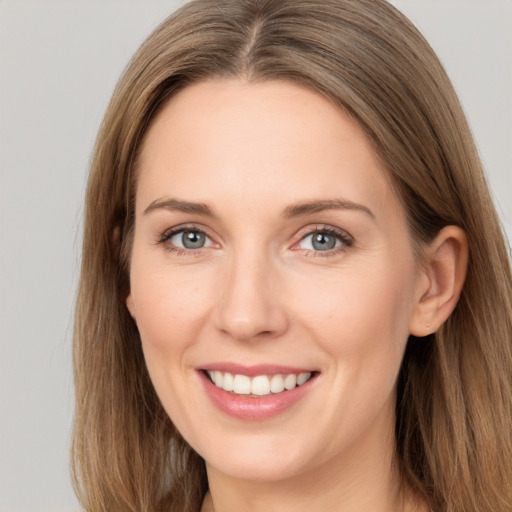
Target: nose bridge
249,305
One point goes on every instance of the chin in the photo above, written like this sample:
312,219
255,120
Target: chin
264,461
271,470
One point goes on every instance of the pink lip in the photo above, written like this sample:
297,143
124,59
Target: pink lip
253,370
246,407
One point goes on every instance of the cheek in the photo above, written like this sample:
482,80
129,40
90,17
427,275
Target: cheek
361,300
170,306
361,320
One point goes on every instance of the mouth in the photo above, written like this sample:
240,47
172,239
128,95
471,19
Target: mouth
259,385
257,392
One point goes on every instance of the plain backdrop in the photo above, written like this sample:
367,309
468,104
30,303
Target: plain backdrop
59,62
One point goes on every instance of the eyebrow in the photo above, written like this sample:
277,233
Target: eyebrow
294,210
315,206
179,206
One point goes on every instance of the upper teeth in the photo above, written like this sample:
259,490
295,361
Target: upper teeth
260,385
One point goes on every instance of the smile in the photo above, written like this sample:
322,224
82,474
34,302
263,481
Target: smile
256,392
260,385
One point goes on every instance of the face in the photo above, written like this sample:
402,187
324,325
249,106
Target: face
272,279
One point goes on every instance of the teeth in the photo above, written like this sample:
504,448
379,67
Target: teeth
218,378
303,378
277,384
290,381
260,385
241,385
229,384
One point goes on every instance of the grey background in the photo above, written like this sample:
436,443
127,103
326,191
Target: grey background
59,61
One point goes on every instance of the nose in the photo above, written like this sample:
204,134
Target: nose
251,304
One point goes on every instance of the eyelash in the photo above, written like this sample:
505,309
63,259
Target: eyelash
342,236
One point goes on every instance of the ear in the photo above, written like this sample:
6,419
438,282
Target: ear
116,247
441,280
115,241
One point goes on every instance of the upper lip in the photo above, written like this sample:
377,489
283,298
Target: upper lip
253,370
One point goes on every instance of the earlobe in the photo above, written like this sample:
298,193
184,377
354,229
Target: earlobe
441,281
130,305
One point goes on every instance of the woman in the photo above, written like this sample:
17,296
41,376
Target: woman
295,292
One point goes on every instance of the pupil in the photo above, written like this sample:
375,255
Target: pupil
193,240
323,242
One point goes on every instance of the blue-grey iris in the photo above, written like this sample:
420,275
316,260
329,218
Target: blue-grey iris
323,242
193,239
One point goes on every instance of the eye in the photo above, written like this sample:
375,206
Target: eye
323,240
187,238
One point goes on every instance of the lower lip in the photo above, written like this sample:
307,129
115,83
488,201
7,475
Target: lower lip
247,407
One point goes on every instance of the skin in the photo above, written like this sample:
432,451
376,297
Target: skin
258,292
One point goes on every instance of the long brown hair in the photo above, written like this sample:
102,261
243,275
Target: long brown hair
454,403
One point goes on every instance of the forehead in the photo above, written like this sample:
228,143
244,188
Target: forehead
226,140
